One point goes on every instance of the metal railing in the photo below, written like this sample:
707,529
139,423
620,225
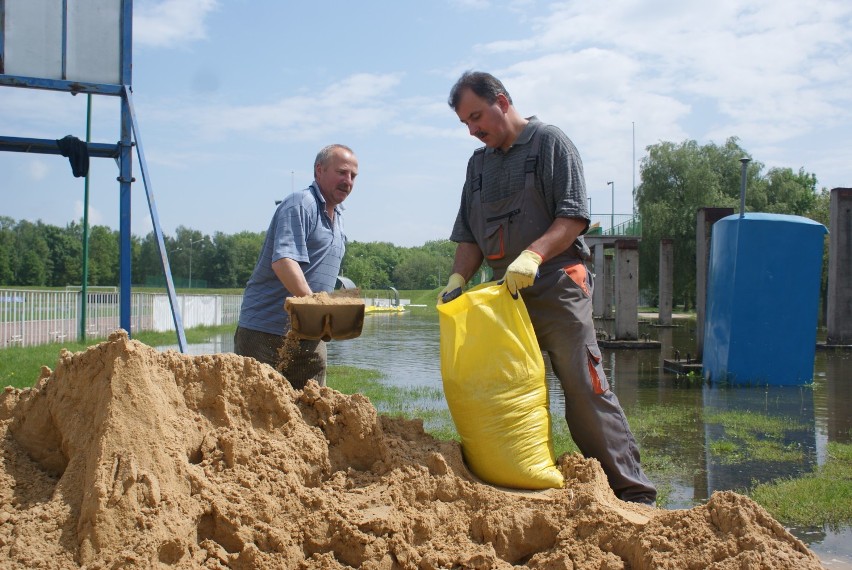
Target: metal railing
615,225
33,317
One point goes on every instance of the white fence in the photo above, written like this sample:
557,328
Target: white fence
29,318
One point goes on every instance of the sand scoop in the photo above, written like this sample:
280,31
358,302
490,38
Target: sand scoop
323,316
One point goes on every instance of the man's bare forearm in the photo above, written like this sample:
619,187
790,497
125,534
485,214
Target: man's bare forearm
468,259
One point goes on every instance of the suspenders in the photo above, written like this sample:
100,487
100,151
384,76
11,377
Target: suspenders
529,164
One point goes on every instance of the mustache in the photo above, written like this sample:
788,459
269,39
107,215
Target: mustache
480,134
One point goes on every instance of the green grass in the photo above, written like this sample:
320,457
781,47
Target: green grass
667,461
753,436
822,498
20,366
426,404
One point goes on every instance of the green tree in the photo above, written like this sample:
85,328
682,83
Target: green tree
679,179
370,265
31,254
66,252
230,259
820,211
191,246
222,270
7,245
789,192
103,256
147,265
247,246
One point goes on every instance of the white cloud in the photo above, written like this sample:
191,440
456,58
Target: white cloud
471,4
768,72
37,169
168,23
96,218
358,103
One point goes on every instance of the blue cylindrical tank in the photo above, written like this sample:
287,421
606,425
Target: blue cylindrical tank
762,300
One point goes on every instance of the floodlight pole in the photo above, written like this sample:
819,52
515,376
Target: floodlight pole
190,259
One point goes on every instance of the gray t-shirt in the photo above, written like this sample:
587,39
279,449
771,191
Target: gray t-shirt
558,176
300,230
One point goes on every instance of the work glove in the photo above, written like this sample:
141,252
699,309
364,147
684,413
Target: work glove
523,271
452,290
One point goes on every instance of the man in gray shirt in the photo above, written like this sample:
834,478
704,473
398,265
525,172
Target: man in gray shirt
301,255
523,211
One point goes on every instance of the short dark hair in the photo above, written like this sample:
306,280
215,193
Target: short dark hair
325,153
481,83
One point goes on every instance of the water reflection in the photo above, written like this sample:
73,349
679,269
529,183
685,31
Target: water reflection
786,445
404,347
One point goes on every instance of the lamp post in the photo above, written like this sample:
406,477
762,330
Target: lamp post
171,251
190,259
612,212
634,170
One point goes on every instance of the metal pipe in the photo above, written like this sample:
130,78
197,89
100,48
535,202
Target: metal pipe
84,290
744,162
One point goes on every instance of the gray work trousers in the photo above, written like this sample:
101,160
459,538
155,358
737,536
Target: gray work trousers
307,361
560,309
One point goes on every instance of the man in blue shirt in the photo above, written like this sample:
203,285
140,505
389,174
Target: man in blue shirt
301,255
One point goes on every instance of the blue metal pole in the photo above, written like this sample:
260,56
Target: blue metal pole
155,219
125,168
125,179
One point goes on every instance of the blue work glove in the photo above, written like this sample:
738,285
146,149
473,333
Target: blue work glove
523,271
452,290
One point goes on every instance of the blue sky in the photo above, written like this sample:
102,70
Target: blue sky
235,97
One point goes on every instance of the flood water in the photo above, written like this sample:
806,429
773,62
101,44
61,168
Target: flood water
405,348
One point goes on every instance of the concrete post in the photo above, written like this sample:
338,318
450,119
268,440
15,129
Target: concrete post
599,290
609,286
666,280
838,393
703,228
839,318
627,290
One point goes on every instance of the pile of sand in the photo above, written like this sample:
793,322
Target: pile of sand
125,457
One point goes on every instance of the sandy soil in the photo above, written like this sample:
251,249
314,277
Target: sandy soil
126,457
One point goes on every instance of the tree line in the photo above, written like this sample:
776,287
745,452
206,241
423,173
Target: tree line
677,179
39,254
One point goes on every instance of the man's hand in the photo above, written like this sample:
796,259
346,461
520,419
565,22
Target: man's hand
452,290
522,272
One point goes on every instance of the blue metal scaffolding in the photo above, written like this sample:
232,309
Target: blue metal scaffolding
121,151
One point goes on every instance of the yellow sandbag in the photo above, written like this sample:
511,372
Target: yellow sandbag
494,382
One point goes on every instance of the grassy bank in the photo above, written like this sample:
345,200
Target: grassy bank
20,366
